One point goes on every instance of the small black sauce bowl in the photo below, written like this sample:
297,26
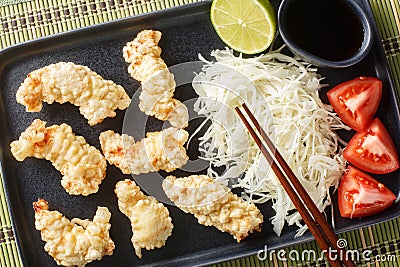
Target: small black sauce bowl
366,43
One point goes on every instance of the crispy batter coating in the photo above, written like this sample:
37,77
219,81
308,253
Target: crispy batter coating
158,151
63,82
76,242
114,146
213,204
158,84
150,220
83,166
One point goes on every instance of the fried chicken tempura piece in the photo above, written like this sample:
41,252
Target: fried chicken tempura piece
213,204
113,147
76,242
158,84
158,151
83,166
63,82
150,220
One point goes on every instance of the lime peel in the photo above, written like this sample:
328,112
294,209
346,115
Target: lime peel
247,26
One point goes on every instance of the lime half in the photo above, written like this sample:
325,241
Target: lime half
247,26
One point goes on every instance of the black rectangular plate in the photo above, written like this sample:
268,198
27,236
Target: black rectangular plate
187,31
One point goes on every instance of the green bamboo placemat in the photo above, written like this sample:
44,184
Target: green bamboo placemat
11,2
387,17
23,20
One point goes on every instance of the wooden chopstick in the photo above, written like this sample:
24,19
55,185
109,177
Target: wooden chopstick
324,235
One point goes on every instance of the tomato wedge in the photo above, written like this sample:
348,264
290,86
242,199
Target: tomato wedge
361,195
373,150
356,101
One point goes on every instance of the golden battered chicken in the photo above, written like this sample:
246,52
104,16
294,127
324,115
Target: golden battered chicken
150,220
114,146
83,166
63,82
76,242
213,204
158,84
158,151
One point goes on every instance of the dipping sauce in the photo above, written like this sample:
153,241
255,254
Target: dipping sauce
329,29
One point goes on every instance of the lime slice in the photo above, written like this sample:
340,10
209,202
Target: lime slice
247,26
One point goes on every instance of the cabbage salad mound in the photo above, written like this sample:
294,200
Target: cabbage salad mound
283,94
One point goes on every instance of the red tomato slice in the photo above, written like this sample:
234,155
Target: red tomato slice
356,101
361,195
373,150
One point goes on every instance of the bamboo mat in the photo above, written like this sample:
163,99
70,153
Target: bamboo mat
26,20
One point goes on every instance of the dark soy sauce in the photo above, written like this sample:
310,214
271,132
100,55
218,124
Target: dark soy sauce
328,29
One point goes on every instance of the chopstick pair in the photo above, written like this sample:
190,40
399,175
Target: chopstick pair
312,216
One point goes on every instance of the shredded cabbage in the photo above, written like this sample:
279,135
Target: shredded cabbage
283,94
